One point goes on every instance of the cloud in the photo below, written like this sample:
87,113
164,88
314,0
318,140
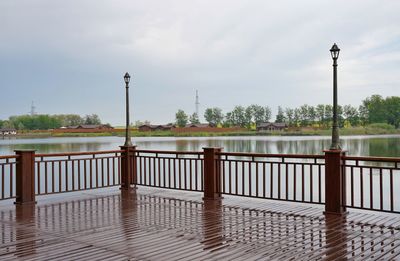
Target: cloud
70,56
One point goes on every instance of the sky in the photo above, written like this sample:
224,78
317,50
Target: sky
70,56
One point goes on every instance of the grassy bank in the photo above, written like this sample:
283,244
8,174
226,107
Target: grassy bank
373,129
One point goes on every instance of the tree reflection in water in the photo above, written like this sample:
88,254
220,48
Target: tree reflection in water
384,146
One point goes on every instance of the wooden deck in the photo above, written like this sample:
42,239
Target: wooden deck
156,224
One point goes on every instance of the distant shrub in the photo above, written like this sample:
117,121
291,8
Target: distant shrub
384,126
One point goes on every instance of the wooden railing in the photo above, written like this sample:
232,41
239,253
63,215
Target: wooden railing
7,176
333,179
373,183
286,177
65,172
170,169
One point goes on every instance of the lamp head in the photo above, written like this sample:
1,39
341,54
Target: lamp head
127,78
335,51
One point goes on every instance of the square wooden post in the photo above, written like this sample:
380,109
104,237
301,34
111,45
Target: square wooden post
25,177
128,170
212,184
134,166
335,185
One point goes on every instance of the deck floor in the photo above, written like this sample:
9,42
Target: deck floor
154,224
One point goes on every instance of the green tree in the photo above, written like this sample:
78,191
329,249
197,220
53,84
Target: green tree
320,114
311,114
213,116
228,120
267,114
350,113
392,108
303,114
376,109
340,116
258,113
181,118
70,119
92,119
248,116
208,115
296,117
238,116
194,119
289,117
8,125
328,116
20,126
35,122
45,121
218,116
280,116
363,114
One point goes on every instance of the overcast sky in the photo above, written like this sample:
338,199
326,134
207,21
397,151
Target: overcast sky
70,56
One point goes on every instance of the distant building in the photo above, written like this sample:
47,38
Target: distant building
189,127
8,131
271,126
92,126
199,125
85,128
145,127
149,127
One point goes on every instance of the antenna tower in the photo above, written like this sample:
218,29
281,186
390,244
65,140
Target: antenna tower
197,103
32,112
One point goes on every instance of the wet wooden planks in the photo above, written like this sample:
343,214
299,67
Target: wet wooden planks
154,225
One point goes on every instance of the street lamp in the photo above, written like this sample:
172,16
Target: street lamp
128,141
335,126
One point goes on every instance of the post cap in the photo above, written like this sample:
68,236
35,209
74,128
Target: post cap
25,150
335,151
126,147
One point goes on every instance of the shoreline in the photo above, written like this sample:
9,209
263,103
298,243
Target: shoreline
317,132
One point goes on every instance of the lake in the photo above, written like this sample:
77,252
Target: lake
382,145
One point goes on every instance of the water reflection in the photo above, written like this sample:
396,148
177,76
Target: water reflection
212,216
385,145
336,237
25,234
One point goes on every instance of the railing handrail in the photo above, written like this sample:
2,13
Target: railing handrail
171,152
264,155
77,153
9,157
377,159
239,154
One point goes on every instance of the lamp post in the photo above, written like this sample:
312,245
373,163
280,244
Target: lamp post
335,182
335,126
128,141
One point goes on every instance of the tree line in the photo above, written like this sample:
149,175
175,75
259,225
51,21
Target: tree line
45,121
374,109
239,116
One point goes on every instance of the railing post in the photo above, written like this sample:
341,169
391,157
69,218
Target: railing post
212,184
25,177
133,164
128,169
335,185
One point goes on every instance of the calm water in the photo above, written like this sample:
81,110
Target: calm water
356,145
383,145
